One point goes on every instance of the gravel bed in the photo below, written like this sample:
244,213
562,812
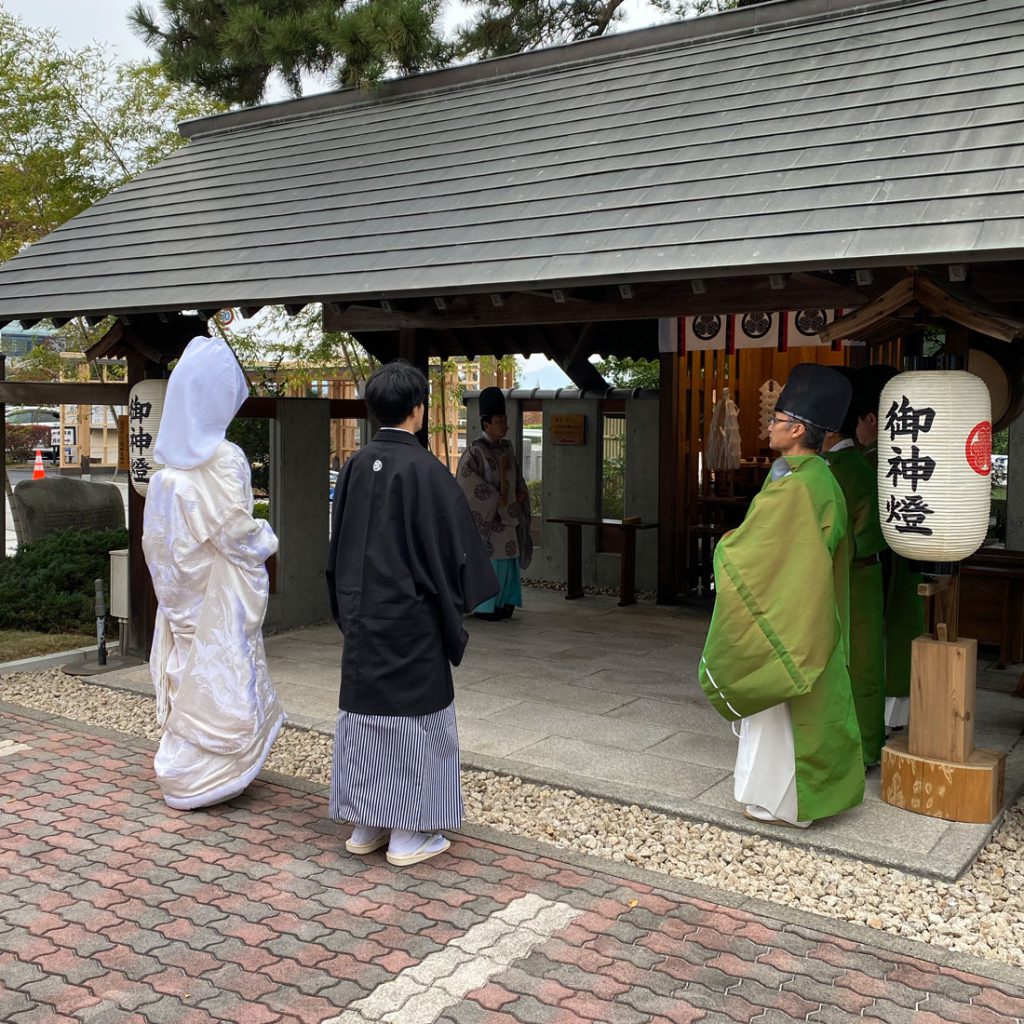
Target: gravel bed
561,587
982,914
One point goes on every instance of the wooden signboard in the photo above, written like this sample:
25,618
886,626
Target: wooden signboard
122,443
568,428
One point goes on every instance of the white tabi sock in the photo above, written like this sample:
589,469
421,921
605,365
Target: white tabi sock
363,834
404,842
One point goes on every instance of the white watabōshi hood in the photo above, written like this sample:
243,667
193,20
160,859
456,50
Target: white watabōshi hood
206,389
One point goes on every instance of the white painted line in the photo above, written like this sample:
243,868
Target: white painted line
421,993
8,747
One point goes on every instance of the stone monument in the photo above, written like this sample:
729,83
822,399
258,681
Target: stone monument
64,503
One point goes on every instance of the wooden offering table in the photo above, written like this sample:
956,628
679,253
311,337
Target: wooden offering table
935,769
617,536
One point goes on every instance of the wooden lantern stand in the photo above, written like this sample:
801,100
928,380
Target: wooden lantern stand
933,768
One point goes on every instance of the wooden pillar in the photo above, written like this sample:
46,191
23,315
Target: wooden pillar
413,349
957,341
142,597
935,769
671,499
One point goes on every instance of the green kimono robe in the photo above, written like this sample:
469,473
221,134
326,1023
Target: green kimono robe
780,630
903,611
859,484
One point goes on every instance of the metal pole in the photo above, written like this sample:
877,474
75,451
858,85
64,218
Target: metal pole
101,624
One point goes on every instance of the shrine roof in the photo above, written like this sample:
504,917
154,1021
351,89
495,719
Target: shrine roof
785,137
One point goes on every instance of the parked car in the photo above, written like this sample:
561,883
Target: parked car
29,428
32,416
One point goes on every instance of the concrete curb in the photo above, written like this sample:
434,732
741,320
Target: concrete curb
1004,975
78,654
969,845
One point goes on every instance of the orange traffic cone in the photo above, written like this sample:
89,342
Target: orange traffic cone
38,473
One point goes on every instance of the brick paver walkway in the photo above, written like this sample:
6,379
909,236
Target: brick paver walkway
115,908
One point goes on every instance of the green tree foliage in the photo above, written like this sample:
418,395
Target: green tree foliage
74,126
40,363
232,48
295,350
253,437
49,586
630,373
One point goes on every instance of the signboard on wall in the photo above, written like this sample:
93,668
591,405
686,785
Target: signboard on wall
568,428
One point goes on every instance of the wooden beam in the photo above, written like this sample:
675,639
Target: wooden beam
264,407
54,393
651,300
920,290
161,338
965,311
413,349
886,305
568,346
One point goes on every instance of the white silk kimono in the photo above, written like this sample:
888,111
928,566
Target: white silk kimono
206,555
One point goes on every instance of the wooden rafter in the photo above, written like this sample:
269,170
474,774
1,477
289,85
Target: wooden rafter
885,316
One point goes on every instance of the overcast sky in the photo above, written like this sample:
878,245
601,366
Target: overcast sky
81,22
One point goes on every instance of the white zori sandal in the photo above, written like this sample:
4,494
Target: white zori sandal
756,813
408,848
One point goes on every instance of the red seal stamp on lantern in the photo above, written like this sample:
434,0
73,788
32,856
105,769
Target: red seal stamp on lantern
979,448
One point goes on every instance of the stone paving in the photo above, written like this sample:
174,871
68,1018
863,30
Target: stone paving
603,700
115,908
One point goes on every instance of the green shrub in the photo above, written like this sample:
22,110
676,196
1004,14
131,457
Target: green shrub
613,487
22,440
49,586
253,437
261,510
535,490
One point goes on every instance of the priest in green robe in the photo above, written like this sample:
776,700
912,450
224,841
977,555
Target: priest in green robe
858,481
904,607
777,651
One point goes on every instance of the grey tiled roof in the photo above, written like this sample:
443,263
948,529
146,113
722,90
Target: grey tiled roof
812,133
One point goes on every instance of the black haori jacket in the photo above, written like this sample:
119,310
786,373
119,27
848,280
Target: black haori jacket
405,564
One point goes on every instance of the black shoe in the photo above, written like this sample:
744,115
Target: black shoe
506,611
488,616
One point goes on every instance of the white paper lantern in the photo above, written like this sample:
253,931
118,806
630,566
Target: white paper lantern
934,464
145,408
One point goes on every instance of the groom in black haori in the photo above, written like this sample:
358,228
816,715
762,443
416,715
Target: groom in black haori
406,564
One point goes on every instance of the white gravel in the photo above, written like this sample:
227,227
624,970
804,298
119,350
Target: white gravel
982,914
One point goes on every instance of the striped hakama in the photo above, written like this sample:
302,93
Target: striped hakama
397,772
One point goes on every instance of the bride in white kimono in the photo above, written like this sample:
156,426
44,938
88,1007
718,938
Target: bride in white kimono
206,555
